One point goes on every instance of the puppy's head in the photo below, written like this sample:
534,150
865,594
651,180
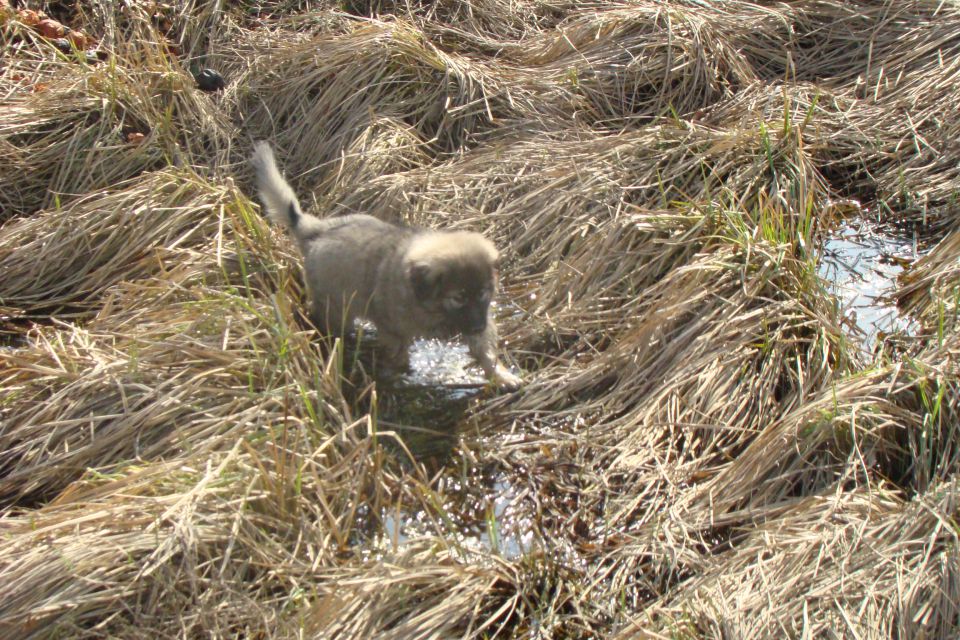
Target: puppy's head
454,277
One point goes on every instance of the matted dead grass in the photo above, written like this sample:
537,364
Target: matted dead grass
930,290
702,447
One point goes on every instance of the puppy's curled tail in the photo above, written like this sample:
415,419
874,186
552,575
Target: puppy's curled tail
278,197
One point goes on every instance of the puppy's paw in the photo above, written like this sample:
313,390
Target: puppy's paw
505,380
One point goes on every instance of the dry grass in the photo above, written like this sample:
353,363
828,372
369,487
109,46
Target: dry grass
929,291
702,448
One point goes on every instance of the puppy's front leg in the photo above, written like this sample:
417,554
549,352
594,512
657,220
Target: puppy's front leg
483,347
396,352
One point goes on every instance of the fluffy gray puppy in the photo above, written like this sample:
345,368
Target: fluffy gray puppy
409,282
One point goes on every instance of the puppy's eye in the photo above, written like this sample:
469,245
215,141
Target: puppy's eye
456,301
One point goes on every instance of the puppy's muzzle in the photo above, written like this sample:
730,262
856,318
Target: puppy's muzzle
476,322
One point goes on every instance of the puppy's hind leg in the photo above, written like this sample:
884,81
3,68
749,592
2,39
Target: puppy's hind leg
483,347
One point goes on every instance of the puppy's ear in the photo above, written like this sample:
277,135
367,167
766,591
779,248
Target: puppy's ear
424,281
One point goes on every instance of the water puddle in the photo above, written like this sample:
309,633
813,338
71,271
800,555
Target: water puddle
427,408
443,362
12,341
488,522
433,362
862,260
426,418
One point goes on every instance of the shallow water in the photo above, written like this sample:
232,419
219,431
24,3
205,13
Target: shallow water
427,407
497,529
433,362
862,260
10,341
442,362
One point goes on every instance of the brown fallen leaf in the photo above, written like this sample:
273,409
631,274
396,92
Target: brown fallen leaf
79,39
49,28
28,17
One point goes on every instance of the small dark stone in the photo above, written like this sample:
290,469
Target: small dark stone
210,80
63,45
